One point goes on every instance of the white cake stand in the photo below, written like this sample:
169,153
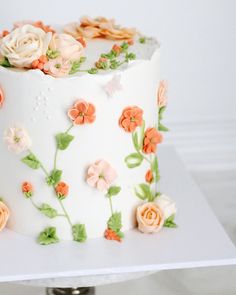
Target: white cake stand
199,241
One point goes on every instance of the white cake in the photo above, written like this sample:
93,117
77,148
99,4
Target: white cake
38,103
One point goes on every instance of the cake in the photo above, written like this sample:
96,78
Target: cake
81,109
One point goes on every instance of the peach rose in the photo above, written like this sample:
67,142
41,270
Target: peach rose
69,47
162,94
4,215
1,97
150,218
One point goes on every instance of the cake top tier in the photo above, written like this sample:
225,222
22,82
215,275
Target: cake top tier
94,46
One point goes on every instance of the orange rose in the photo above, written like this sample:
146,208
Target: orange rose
4,215
151,138
150,218
149,176
1,97
62,190
82,112
131,118
27,189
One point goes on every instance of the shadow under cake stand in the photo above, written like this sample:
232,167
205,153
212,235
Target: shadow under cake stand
199,241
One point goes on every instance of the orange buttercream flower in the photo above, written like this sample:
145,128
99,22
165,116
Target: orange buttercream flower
82,41
41,25
149,176
5,33
151,138
39,63
27,189
99,27
111,235
62,189
1,97
82,112
131,118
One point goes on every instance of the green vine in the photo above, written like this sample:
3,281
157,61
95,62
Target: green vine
111,60
78,231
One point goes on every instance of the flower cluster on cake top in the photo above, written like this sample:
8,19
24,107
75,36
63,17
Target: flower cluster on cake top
36,46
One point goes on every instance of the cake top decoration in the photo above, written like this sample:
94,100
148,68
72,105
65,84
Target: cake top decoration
92,45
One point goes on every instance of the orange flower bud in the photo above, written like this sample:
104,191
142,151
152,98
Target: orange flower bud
62,190
27,189
149,176
111,235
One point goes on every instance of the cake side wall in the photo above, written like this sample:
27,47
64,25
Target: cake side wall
40,104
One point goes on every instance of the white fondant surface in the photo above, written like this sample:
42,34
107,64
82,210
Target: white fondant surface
39,103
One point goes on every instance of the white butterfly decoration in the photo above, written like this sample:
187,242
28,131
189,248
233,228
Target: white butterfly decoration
112,86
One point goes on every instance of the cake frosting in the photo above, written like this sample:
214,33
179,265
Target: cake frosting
80,131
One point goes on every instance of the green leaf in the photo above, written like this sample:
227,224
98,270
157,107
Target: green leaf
79,233
114,64
82,59
93,71
142,133
134,160
55,177
130,56
52,54
5,63
135,141
160,113
63,140
155,169
48,236
48,211
143,192
113,191
169,222
161,127
114,222
142,40
124,46
31,161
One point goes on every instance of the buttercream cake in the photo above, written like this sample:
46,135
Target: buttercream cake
81,110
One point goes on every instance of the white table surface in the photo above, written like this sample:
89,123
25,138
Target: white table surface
199,241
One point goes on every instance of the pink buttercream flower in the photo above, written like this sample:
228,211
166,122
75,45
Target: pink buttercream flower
113,86
162,94
17,140
68,47
101,175
57,67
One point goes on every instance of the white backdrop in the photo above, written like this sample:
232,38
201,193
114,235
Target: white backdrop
198,40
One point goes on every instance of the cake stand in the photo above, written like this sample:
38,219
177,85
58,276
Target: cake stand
199,241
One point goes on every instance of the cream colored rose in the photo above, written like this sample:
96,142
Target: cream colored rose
68,47
150,218
4,215
24,45
167,205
